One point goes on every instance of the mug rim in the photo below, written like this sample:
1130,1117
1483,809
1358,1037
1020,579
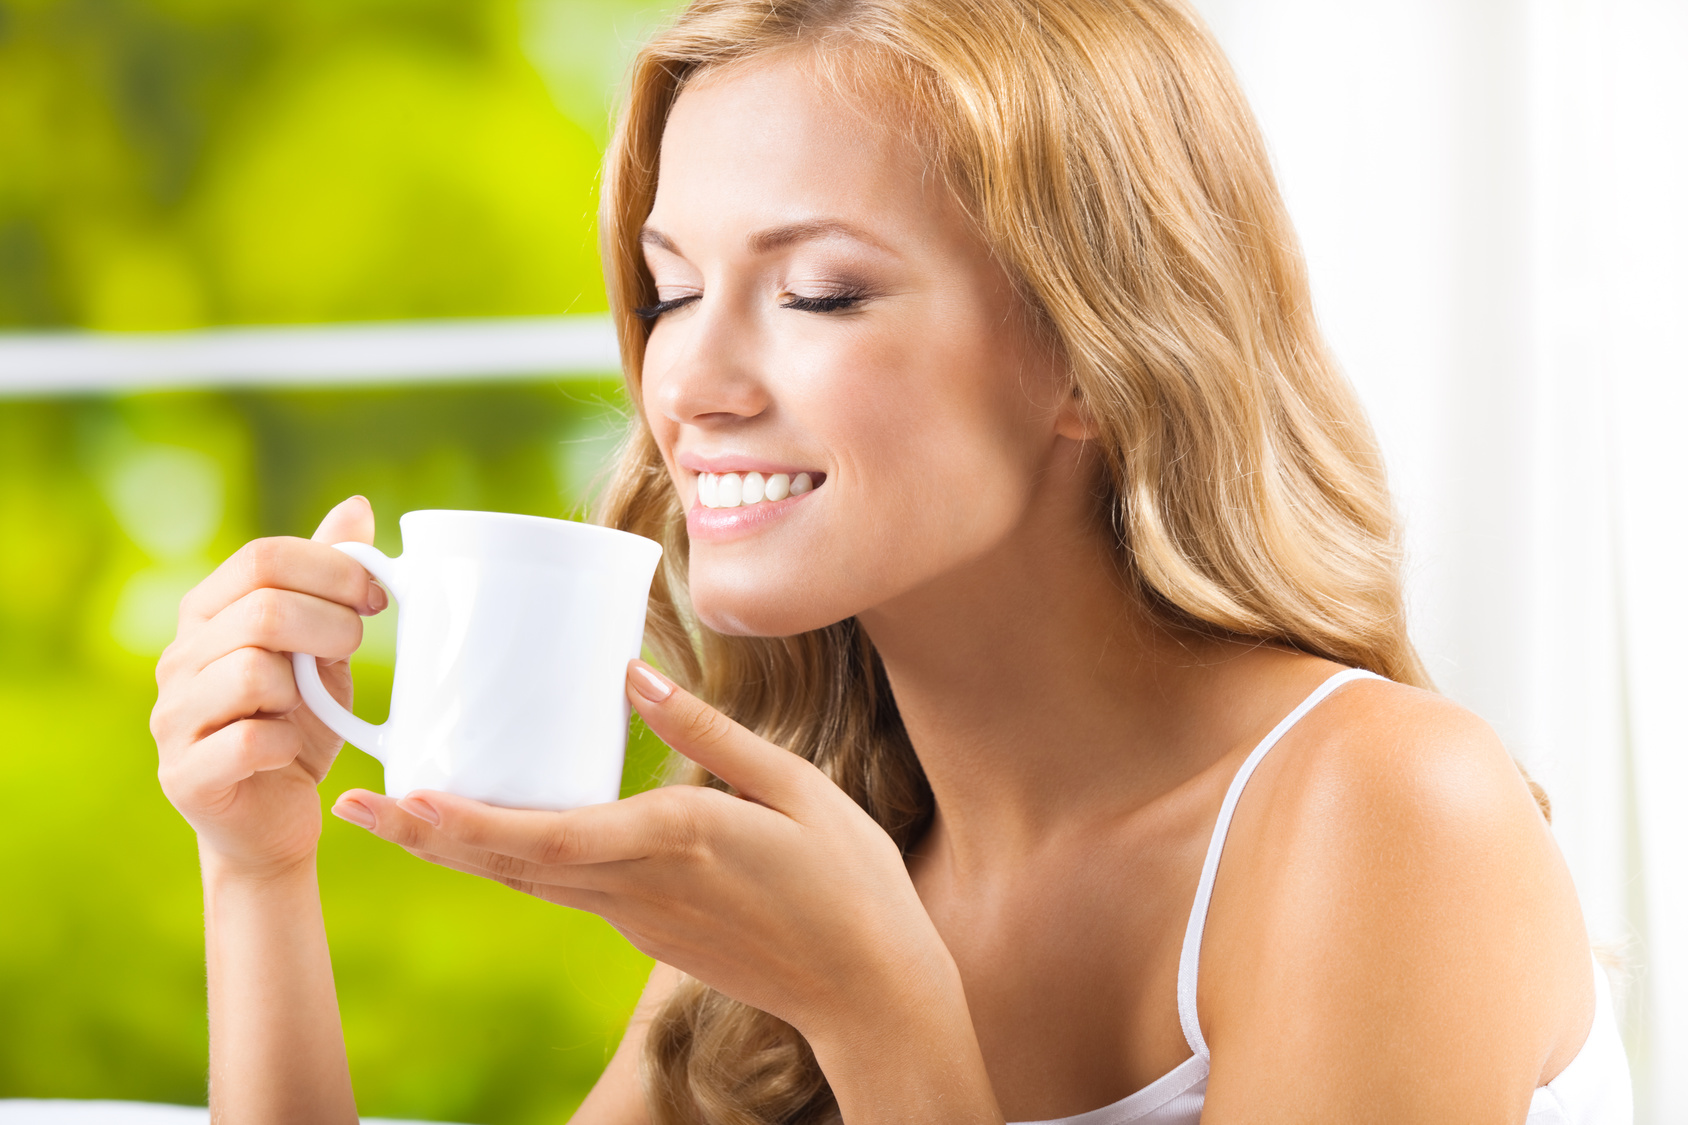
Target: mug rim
519,519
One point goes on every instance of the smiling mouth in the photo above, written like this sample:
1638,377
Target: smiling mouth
740,490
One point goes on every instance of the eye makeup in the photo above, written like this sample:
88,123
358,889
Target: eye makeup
652,312
830,303
840,301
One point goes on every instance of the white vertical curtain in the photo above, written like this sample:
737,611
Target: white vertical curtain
1493,197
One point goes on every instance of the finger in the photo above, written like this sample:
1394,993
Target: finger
752,765
222,760
275,620
284,564
657,822
577,898
587,882
398,822
351,520
245,683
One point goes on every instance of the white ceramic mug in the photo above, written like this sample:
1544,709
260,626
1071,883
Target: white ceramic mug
514,634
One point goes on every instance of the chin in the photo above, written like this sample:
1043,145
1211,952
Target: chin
749,608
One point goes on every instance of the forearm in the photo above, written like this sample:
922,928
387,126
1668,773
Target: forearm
277,1053
915,1060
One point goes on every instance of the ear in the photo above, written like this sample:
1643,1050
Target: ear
1073,419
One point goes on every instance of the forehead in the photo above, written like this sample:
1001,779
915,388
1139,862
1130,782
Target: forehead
770,143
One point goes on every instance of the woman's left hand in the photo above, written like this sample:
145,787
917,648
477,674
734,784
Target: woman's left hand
786,896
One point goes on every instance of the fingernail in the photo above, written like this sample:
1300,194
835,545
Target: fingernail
353,812
420,809
650,685
377,598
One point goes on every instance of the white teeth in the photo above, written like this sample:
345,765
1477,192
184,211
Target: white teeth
731,490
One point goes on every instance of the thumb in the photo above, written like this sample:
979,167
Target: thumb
759,770
350,520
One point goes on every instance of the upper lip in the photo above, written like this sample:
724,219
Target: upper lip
739,463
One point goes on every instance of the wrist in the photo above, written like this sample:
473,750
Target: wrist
908,1052
220,870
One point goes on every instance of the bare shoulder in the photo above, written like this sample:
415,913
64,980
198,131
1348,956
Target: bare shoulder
1392,895
1403,762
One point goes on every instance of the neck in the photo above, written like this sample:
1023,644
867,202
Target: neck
1039,693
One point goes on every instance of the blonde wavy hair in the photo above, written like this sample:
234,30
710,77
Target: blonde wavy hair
1108,158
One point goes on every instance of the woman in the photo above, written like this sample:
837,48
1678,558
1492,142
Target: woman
1016,519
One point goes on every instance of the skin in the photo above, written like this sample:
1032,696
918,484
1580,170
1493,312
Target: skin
1393,935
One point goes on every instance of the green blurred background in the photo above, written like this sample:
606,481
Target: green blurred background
172,164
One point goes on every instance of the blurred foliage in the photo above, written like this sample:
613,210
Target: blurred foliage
176,163
462,1000
172,163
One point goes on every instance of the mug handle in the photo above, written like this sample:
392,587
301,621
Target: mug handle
368,737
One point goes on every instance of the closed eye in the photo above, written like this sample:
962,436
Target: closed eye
651,312
838,302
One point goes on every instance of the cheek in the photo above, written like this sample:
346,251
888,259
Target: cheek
945,445
651,394
934,462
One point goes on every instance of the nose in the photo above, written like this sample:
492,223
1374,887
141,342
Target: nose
701,367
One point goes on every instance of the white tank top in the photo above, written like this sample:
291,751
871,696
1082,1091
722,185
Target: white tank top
1593,1090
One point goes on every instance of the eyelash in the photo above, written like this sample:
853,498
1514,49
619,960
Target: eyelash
651,312
838,302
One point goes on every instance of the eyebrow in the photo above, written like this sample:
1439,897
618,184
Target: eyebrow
777,238
650,236
812,230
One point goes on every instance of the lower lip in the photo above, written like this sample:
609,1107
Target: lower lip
717,524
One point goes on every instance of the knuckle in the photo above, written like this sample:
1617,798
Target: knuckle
682,832
175,721
158,722
240,737
706,727
562,844
170,780
267,614
187,607
416,834
169,662
503,867
261,562
249,737
252,673
188,788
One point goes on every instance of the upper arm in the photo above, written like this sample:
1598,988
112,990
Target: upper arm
1394,935
616,1099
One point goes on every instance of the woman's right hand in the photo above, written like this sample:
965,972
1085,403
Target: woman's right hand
239,755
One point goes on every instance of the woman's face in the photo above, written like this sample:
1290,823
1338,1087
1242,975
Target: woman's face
825,309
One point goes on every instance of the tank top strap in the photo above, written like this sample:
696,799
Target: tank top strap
1189,960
